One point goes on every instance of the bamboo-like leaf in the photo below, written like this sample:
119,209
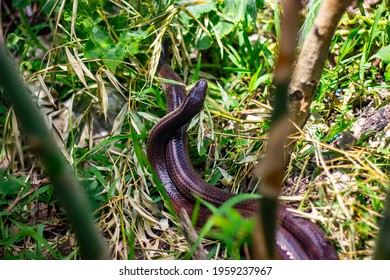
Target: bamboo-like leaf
76,67
141,211
102,94
225,97
383,54
16,138
84,68
114,81
119,120
46,90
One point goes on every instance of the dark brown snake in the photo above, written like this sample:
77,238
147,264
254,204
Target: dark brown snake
296,238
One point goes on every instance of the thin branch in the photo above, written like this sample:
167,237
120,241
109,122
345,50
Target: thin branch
311,62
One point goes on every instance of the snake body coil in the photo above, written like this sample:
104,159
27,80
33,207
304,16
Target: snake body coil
296,238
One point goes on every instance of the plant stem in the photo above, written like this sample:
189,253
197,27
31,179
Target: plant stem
30,32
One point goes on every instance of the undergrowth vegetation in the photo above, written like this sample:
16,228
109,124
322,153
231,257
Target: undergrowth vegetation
91,67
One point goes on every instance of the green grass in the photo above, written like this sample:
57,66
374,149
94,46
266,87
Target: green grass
107,49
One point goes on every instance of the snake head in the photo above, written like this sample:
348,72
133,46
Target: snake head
166,51
197,96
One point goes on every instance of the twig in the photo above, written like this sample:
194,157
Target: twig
311,62
191,236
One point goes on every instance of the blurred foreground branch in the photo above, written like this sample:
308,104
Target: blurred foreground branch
271,169
382,247
65,185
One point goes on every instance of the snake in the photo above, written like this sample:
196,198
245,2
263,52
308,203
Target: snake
167,151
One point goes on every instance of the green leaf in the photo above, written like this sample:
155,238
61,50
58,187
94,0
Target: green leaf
277,16
10,185
109,141
256,80
383,54
98,175
21,4
128,41
235,58
91,51
112,57
349,44
198,9
237,70
337,128
374,31
36,233
223,28
102,46
39,191
204,42
240,10
387,73
313,8
86,23
50,6
100,37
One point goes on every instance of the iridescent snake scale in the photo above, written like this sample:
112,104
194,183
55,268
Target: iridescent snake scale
296,238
